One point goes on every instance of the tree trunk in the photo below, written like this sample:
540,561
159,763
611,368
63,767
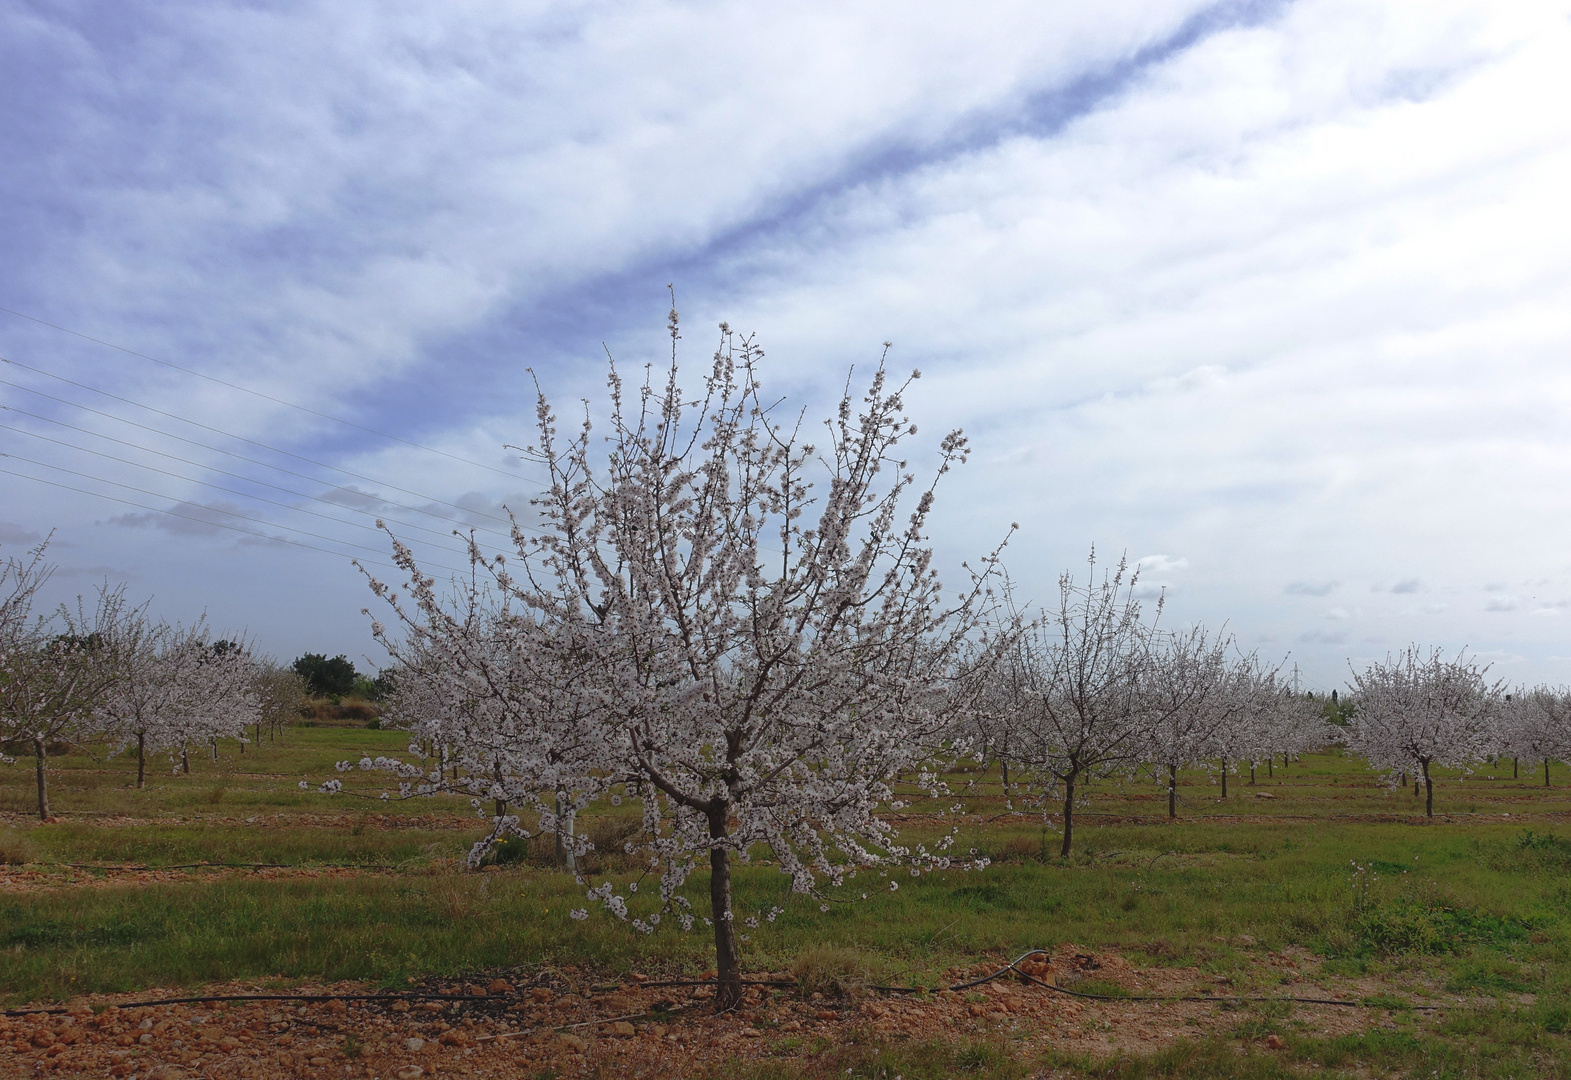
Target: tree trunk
728,964
1003,765
141,759
1513,769
1224,778
1429,792
564,851
1546,772
43,784
1251,774
1172,791
1069,817
1270,765
185,758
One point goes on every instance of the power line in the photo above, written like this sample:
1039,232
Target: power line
188,517
213,509
203,483
228,435
206,468
256,461
254,393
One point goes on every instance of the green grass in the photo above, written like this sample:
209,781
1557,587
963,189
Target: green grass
1473,904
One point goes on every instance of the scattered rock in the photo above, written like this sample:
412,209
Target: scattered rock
541,994
474,991
622,1028
1275,1042
400,1006
572,1042
414,1044
751,1033
409,1072
1244,940
499,986
337,1007
453,1038
319,1060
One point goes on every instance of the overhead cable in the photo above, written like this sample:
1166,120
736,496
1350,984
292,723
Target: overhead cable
248,390
208,468
265,464
202,521
227,435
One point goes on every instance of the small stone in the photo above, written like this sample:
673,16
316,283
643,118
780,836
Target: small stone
622,1028
572,1042
409,1072
827,1014
1244,940
474,991
976,1008
414,1044
336,1006
751,1033
1275,1042
499,986
400,1006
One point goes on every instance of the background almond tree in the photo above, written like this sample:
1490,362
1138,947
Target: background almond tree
1415,711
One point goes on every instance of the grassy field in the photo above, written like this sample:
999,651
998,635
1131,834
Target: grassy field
1317,861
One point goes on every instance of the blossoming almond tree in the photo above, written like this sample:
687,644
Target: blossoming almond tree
54,671
1186,699
176,685
1535,724
1416,711
741,631
1068,689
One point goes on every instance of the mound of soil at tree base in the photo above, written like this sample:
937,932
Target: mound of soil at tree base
506,1027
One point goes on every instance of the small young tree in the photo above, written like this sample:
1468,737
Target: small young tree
176,686
54,672
280,695
1534,724
1185,701
1415,711
1252,702
742,633
1068,688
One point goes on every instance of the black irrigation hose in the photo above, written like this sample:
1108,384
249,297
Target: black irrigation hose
226,866
408,996
780,983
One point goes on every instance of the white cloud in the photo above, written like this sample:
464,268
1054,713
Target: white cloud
1294,295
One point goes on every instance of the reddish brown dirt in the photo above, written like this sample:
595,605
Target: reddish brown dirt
505,1031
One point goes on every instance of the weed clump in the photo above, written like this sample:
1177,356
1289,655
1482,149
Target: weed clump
16,848
833,971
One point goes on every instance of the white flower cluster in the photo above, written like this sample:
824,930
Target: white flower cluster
738,631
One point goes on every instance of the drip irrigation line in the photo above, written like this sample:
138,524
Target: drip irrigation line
248,390
229,866
402,996
1007,969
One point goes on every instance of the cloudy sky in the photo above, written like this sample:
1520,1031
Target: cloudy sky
1274,297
